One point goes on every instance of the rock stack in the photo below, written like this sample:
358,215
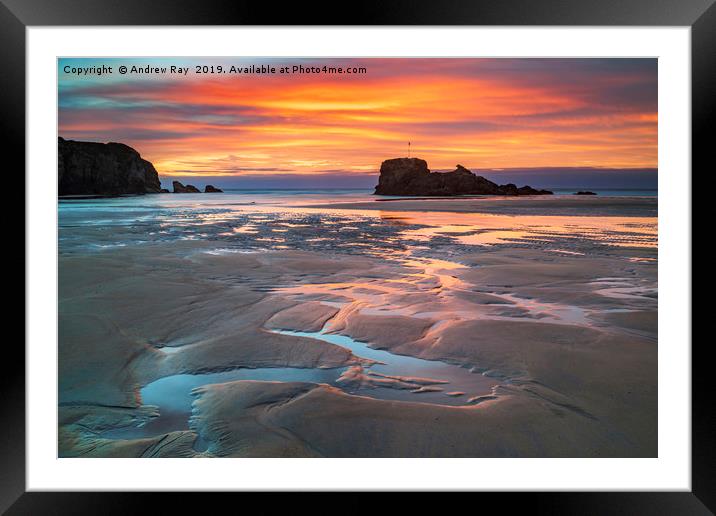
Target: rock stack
411,177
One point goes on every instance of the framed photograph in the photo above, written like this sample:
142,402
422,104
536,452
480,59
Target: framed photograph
443,248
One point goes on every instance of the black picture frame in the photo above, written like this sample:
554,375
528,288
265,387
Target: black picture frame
17,15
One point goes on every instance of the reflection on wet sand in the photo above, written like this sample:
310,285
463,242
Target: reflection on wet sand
237,314
488,229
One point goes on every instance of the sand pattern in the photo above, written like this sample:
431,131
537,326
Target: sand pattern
559,326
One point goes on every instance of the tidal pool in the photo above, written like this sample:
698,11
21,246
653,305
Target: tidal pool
453,385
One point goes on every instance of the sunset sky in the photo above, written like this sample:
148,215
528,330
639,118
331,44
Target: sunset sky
481,113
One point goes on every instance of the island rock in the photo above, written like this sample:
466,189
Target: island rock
180,188
212,189
411,176
91,168
586,192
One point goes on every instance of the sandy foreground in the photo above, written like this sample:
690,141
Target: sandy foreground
568,338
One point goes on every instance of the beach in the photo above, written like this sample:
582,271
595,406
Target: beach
338,324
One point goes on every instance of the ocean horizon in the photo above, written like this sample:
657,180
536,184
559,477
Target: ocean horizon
605,192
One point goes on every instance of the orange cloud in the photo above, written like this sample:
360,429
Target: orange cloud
481,113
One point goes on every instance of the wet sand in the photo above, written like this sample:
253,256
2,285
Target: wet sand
527,205
561,325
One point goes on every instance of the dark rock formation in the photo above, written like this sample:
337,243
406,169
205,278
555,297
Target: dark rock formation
411,176
89,168
585,193
163,190
180,188
212,189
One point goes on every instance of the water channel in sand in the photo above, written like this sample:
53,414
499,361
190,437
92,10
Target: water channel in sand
452,384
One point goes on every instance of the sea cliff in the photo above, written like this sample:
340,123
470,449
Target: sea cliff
90,168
